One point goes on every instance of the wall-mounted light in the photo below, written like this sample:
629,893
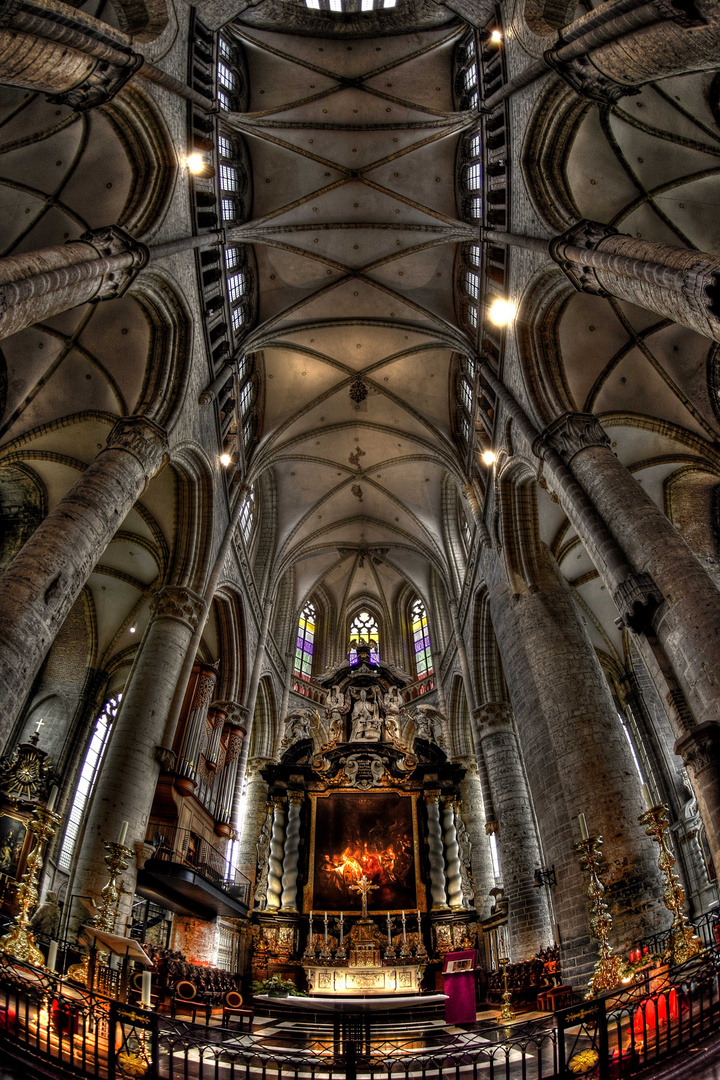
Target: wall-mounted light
496,36
225,460
131,630
489,457
501,312
195,164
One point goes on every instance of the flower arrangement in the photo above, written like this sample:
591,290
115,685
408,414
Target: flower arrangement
274,986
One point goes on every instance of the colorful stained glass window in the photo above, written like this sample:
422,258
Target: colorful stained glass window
421,640
364,626
305,642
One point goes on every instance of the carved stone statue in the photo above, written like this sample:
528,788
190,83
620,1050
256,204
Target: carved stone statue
429,724
366,722
298,726
465,846
392,703
263,849
336,707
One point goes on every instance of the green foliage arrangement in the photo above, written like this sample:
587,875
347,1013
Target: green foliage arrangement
277,987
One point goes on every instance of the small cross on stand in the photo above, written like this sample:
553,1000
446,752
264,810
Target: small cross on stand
41,723
364,886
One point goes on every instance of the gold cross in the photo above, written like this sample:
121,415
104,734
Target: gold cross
364,886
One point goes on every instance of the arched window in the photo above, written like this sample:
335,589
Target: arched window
88,777
305,642
421,640
364,627
247,517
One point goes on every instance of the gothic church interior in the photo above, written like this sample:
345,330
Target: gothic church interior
360,488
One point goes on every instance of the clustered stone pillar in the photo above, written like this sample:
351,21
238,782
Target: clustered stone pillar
668,578
292,852
276,855
126,784
45,578
529,917
34,286
580,760
435,852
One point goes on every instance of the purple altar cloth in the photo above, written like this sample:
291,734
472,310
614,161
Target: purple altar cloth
459,979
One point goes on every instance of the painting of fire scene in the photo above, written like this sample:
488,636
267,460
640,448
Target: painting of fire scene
364,834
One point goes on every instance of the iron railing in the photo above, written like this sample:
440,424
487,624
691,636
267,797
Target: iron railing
187,848
46,1018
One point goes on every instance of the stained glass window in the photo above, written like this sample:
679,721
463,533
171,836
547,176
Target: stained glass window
421,640
305,642
365,626
86,783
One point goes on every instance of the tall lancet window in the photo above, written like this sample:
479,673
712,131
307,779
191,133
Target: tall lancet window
365,627
421,640
88,777
247,517
305,642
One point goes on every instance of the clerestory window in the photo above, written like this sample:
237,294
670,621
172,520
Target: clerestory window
421,640
305,644
364,628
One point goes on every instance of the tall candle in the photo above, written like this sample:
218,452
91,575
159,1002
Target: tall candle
646,796
584,834
389,928
326,927
123,833
53,798
342,923
404,932
146,987
52,956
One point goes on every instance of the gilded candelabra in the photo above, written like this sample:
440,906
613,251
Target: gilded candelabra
609,969
117,858
20,940
683,941
506,1013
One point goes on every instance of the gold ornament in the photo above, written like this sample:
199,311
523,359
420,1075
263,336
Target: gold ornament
683,941
20,940
506,1013
583,1062
609,969
116,859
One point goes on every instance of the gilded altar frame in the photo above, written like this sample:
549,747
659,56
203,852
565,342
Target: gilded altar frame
309,888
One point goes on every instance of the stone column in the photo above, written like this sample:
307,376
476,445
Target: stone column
453,874
101,265
250,702
45,578
256,801
529,918
578,759
292,852
473,816
435,852
668,578
126,784
235,724
276,855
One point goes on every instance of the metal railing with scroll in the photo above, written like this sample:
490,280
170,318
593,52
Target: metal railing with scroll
187,848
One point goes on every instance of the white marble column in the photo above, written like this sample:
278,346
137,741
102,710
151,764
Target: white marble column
453,873
292,852
277,852
435,852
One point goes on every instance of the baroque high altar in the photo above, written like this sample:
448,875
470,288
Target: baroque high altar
363,881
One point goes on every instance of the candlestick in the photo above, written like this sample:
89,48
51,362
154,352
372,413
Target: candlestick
390,951
584,834
683,941
646,796
326,929
609,969
52,799
404,932
123,834
506,1013
52,956
146,988
20,940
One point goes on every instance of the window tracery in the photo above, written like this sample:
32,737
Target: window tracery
88,778
364,628
247,517
305,645
421,640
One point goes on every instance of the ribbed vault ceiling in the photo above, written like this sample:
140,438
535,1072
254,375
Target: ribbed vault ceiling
355,226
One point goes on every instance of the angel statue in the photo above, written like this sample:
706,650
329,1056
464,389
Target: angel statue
429,724
393,704
298,726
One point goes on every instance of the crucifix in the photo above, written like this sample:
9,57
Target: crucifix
41,723
364,886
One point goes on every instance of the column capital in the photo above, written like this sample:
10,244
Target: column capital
109,242
296,798
236,715
278,802
142,438
432,795
700,748
101,85
569,434
637,598
587,80
493,715
176,602
587,235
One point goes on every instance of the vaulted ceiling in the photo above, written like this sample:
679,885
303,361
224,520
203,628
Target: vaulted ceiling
353,146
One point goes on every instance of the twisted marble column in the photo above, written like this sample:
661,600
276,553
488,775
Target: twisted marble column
292,852
275,858
453,874
435,851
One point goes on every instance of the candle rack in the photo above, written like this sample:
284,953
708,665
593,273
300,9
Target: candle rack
683,941
609,969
